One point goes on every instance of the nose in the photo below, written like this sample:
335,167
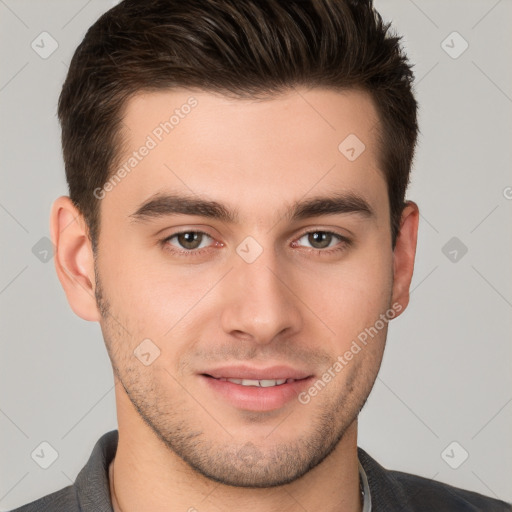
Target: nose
260,302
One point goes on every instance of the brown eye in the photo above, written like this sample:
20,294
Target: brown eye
189,240
320,239
322,242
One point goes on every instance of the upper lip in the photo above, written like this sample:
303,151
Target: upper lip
249,372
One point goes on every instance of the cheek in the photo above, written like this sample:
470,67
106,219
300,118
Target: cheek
351,295
158,302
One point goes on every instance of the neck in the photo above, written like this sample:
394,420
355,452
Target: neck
146,475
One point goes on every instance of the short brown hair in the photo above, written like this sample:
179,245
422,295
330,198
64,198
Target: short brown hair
243,49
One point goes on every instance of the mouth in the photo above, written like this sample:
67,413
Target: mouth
264,394
260,383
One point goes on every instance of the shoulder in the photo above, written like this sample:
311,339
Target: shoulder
398,491
63,500
90,492
427,495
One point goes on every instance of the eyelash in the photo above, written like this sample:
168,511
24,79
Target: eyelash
345,243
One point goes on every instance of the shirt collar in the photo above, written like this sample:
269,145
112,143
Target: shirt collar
93,491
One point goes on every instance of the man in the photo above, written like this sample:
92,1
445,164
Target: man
236,221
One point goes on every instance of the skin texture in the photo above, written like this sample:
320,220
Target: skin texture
292,305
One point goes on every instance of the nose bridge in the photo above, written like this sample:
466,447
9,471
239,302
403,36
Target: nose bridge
257,303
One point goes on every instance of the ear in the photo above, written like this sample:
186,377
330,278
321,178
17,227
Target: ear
404,254
73,258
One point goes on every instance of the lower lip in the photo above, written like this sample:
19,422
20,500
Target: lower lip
255,398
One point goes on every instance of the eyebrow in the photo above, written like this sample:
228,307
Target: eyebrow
163,205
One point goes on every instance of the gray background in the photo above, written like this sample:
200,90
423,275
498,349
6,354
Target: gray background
446,374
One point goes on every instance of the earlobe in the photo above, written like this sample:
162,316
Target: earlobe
74,259
404,254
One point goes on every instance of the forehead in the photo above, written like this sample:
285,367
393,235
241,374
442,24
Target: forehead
251,154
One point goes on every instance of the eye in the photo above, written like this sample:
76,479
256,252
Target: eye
188,240
319,240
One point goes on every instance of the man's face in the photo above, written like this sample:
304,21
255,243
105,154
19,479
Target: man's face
263,290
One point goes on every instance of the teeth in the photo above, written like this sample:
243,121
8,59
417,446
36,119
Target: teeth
263,383
269,382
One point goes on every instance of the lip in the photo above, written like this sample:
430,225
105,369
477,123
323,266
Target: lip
250,372
253,398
